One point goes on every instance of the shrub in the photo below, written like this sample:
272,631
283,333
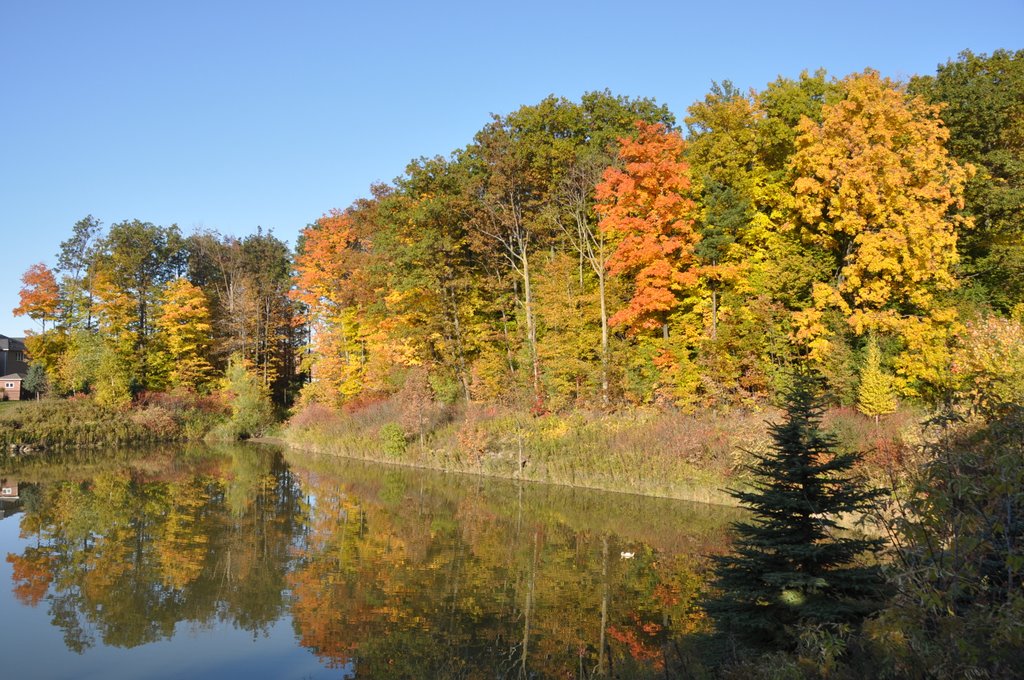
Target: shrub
989,364
961,556
251,409
392,440
157,421
81,422
312,416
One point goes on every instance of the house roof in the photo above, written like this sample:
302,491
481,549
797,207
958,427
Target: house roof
7,343
13,376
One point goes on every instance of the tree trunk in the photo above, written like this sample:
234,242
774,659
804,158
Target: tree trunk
604,339
714,314
531,326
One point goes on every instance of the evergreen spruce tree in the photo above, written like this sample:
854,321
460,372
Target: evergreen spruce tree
789,564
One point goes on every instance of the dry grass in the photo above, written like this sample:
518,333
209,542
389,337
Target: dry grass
642,451
652,451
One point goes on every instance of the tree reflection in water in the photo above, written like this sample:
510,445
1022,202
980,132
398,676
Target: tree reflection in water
392,573
124,554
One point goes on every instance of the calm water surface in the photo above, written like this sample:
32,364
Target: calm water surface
240,561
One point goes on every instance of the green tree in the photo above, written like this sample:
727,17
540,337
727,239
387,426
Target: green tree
422,256
135,260
519,164
267,263
982,99
251,409
789,565
876,395
79,362
246,283
786,102
36,380
77,255
112,385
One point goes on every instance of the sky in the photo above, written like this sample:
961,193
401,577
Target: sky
231,115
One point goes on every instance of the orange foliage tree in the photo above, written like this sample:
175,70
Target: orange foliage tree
32,574
39,294
329,266
645,209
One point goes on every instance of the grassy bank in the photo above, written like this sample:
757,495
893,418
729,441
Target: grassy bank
648,451
82,423
654,452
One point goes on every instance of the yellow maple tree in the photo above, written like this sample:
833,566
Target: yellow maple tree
875,186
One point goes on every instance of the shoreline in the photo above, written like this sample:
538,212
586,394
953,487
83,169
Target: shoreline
707,496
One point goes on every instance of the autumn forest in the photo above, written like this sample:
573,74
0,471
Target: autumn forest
594,254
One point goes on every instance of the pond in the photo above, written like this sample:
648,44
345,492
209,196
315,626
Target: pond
215,562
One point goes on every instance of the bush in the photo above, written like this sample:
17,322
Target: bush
989,364
392,440
82,422
961,556
158,421
312,416
251,409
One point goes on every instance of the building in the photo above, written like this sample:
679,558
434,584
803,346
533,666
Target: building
10,386
9,489
13,367
10,500
13,358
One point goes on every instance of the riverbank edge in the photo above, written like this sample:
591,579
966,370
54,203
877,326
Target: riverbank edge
696,494
35,427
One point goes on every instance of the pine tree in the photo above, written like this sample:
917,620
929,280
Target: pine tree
789,566
875,396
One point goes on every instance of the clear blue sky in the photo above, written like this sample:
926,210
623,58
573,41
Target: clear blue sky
229,115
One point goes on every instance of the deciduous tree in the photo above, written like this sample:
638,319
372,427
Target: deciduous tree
184,322
875,187
982,103
39,295
251,409
135,260
876,395
76,258
36,380
646,211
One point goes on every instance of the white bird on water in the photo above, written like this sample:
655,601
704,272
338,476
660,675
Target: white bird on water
626,555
